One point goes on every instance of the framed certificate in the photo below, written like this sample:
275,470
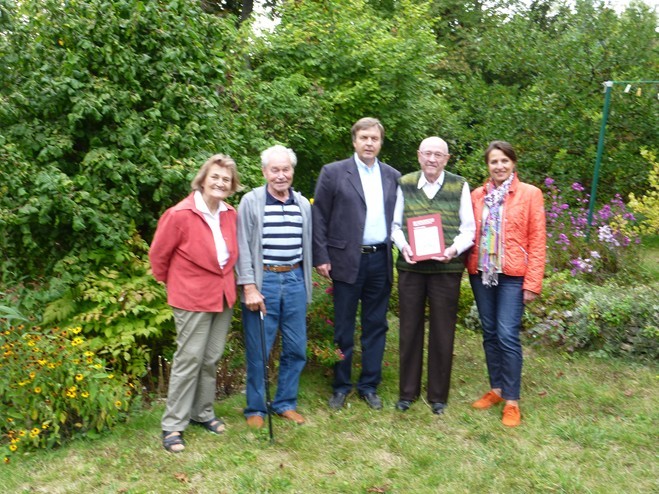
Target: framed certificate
426,236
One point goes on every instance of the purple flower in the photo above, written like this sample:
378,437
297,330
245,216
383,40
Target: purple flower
549,182
576,186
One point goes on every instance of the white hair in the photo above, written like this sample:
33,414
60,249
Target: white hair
266,155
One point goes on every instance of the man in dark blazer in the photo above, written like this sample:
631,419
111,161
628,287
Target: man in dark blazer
352,216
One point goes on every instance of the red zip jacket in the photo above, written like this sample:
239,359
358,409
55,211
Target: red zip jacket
183,255
524,233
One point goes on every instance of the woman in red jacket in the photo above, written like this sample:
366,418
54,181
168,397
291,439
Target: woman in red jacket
505,269
193,252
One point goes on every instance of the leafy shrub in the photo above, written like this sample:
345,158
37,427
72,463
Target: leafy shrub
647,206
55,387
321,348
615,320
611,244
122,309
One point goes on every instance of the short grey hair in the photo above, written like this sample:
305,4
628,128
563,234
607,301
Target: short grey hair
266,155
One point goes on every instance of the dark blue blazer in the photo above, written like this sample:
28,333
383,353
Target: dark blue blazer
339,215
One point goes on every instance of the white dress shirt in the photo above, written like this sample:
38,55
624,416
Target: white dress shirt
375,227
213,221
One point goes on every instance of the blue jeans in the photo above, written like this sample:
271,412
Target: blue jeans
372,287
500,309
286,310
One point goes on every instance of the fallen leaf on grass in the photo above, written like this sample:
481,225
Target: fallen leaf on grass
377,489
182,477
542,393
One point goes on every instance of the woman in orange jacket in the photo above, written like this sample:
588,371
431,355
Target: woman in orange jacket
505,267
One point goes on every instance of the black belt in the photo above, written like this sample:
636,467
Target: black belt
370,249
281,268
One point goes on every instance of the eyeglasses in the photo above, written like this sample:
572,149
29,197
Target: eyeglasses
429,154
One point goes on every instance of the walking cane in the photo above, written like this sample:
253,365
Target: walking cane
268,403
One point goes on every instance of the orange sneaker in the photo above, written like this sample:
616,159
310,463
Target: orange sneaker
293,416
511,416
255,421
489,399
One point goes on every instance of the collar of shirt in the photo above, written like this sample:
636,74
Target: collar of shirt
423,181
430,189
270,199
363,166
201,205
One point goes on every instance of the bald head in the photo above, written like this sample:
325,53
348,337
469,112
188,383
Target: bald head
433,156
434,142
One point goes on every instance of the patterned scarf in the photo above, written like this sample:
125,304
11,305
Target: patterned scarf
491,245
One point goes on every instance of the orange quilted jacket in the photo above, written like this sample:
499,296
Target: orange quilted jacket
524,233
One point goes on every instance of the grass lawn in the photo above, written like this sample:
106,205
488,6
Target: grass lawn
589,425
649,258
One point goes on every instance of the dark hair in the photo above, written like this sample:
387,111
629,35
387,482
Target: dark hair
503,146
367,123
221,160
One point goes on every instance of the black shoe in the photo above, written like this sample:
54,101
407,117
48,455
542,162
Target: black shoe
438,408
373,401
403,405
337,400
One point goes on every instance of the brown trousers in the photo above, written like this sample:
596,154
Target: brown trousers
442,292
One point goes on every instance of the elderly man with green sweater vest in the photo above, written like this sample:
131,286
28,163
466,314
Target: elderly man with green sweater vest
437,279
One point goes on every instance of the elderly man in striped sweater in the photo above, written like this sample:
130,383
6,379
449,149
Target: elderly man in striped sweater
274,275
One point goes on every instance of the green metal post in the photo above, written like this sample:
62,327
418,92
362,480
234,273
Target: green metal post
600,151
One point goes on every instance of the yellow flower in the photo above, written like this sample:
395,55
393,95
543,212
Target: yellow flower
13,447
33,375
89,354
6,460
76,330
35,431
79,377
111,376
21,433
9,419
117,403
98,366
45,425
84,394
51,365
42,361
76,361
89,360
31,343
37,390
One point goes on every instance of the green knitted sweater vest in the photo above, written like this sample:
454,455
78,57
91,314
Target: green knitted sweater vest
447,203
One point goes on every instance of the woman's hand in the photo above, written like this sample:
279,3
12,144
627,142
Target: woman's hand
529,296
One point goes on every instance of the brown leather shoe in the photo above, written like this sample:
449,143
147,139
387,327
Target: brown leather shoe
294,416
489,399
255,421
511,416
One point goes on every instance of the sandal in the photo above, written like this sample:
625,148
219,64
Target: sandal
172,439
214,425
